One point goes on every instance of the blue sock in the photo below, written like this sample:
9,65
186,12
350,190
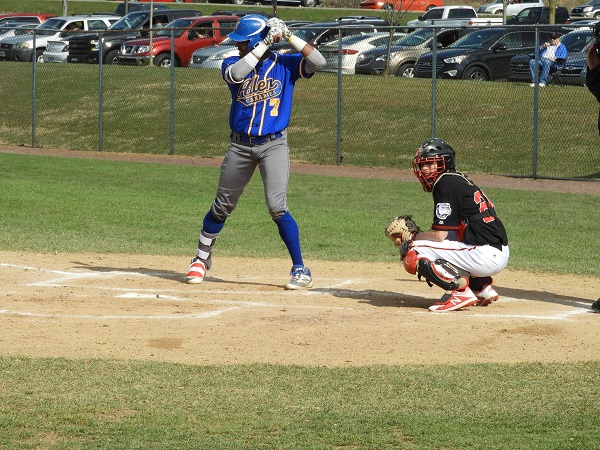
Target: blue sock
212,225
289,232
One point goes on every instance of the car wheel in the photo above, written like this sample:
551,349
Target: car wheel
387,7
498,12
597,15
475,74
309,3
164,60
39,56
111,57
406,70
237,2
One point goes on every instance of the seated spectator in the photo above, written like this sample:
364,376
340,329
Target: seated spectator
549,52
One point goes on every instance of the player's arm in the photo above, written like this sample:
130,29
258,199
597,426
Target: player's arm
431,235
314,59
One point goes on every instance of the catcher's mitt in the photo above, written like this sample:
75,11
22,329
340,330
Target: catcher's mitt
401,229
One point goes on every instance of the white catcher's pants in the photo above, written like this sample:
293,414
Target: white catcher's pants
478,260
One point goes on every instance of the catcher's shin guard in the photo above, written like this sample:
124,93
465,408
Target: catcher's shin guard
205,246
443,274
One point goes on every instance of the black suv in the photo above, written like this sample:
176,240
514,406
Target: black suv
539,14
85,48
133,7
483,54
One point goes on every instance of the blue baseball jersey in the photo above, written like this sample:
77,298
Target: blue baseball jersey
262,103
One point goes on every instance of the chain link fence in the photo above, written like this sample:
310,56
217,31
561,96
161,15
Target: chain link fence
499,127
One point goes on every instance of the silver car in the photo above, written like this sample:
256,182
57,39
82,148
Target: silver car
21,48
212,57
15,29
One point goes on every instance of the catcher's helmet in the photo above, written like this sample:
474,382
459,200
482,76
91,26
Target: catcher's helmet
251,27
433,151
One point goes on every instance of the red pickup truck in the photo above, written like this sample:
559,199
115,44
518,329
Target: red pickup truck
189,34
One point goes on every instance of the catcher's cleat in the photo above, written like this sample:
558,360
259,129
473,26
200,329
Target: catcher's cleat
486,296
196,272
596,306
454,300
301,278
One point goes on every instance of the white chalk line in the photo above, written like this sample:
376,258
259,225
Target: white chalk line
332,289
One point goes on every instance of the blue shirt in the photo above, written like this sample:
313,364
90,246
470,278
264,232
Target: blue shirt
262,103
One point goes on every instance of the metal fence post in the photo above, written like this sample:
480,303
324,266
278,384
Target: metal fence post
536,80
338,143
172,93
433,79
33,91
100,92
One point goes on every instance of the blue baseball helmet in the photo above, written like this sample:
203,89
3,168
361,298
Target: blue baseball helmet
252,27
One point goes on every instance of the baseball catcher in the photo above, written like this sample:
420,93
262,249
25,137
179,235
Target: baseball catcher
467,242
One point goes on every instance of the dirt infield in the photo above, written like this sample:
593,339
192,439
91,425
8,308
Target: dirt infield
134,307
138,307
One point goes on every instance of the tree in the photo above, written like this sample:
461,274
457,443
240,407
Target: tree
395,10
552,6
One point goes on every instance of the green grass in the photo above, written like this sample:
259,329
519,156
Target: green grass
492,131
62,404
74,205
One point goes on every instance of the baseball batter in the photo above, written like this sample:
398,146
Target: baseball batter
467,242
262,86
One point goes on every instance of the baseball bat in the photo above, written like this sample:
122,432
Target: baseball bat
274,4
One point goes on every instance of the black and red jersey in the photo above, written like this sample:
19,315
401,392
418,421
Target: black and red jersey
460,206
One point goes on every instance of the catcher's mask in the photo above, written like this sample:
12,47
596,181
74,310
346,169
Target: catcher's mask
433,151
252,28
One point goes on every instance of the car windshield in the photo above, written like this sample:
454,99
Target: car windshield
50,27
178,26
130,22
576,42
416,37
477,39
305,34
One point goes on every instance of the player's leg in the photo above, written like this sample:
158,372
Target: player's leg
274,168
236,170
463,270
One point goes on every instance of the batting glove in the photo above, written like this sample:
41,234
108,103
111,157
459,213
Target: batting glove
274,35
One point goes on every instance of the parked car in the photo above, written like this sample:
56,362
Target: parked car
453,16
238,12
189,34
539,14
135,6
35,18
20,48
577,43
15,29
352,47
590,10
514,7
405,51
85,49
483,54
403,5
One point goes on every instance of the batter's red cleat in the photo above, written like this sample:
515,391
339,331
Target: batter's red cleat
486,296
196,272
455,300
